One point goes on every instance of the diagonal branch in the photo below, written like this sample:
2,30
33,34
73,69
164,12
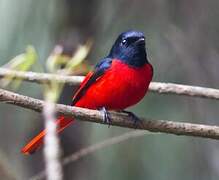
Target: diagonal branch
93,148
162,88
118,119
41,77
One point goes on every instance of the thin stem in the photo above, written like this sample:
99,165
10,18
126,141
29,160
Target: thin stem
52,148
118,119
157,87
93,148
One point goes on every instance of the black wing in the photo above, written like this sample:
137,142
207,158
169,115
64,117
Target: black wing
99,70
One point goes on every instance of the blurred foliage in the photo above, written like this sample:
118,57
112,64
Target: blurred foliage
22,62
58,61
182,43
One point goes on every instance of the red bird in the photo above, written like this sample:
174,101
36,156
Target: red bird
118,81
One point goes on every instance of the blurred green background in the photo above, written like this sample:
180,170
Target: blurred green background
183,46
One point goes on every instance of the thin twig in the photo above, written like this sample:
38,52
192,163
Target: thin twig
186,90
162,88
52,148
41,77
93,148
118,119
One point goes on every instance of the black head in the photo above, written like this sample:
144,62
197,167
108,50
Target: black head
130,48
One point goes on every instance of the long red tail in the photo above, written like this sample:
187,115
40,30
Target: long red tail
34,144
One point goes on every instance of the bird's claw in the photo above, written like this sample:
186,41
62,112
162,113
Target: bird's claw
106,117
136,120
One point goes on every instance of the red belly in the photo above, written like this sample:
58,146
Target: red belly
120,87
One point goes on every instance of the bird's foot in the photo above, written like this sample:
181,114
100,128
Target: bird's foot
106,117
136,120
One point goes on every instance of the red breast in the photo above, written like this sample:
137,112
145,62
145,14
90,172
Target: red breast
120,87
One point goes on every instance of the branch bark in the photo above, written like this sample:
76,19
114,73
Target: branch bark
93,148
52,146
41,77
118,119
157,87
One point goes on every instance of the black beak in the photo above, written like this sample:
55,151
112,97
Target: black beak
140,41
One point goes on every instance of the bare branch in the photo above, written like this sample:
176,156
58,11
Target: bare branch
195,91
41,77
93,148
162,88
118,119
52,147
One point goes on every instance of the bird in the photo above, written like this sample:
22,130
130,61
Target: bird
118,81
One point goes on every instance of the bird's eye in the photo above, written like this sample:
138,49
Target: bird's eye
124,41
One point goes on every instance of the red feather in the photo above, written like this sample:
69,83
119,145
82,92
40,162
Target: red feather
35,143
62,123
88,76
119,87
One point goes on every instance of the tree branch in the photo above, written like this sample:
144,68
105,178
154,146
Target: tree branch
157,87
41,77
52,146
93,148
118,119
